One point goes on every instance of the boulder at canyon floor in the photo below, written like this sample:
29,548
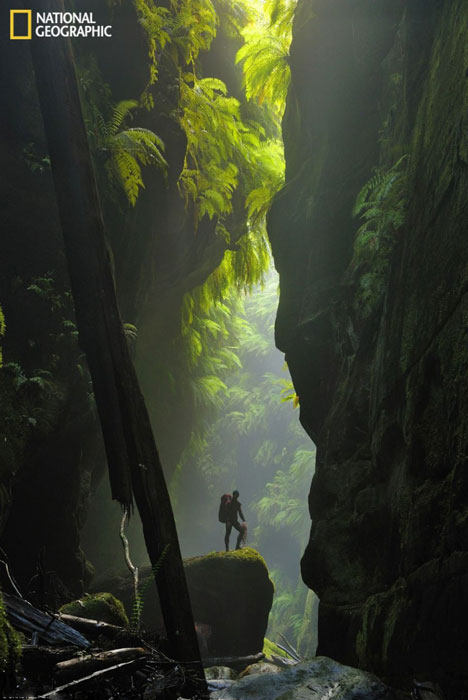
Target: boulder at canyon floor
231,595
318,679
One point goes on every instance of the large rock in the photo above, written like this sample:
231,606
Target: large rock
231,596
98,606
319,679
231,593
384,396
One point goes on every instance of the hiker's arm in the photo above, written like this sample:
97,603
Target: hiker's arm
241,514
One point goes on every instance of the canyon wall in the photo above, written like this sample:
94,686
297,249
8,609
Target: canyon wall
377,343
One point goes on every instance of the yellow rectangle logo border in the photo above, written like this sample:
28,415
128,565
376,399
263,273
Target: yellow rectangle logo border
12,24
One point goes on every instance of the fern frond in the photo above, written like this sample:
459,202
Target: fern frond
119,113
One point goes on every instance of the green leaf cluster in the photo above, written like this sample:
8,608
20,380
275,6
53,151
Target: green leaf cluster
381,205
127,149
265,54
226,153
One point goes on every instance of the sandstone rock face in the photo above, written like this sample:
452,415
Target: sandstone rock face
383,394
231,596
318,679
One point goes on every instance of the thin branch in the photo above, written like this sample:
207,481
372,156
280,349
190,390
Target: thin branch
131,567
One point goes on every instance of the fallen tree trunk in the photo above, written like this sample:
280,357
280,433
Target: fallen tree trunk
133,459
25,617
95,678
85,665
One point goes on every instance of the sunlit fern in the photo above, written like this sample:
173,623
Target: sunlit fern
265,55
127,149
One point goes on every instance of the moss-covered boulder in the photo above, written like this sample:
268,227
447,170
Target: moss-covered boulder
10,647
232,595
104,607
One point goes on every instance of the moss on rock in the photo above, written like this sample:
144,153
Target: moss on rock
10,647
98,606
270,648
232,593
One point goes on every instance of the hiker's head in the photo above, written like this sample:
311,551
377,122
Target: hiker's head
235,495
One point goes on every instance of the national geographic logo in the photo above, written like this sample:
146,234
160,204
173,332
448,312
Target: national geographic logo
45,25
20,24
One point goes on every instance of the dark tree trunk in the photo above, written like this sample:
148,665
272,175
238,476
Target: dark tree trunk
133,460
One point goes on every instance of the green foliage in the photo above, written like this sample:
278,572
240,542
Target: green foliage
32,399
131,332
234,16
215,136
270,178
35,399
195,23
284,506
287,612
265,54
138,603
225,154
103,607
181,31
126,149
270,648
10,646
120,150
156,23
381,204
36,162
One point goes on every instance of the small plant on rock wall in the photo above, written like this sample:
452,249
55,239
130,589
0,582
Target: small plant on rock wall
381,205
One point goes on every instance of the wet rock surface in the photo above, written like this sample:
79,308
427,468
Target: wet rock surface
319,679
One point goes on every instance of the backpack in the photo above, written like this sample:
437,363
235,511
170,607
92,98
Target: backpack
224,508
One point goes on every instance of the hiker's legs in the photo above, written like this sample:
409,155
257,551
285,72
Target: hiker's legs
227,535
240,535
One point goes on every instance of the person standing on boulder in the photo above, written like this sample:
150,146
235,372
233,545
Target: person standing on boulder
233,510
